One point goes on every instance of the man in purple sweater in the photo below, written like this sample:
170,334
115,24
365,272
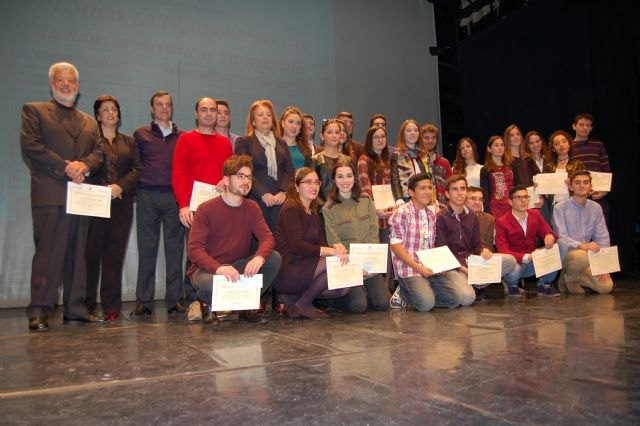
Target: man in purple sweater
221,236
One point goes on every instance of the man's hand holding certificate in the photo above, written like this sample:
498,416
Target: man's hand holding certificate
604,261
484,271
439,259
546,261
241,295
88,200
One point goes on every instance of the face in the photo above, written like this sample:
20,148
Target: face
207,113
411,134
535,144
310,125
379,122
343,134
466,150
561,145
349,123
308,187
162,108
224,116
457,193
583,128
108,114
262,119
430,140
497,148
515,138
64,87
474,201
331,135
423,194
520,201
379,140
344,180
291,125
240,183
580,186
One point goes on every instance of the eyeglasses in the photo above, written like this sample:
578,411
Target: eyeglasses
520,197
311,182
242,176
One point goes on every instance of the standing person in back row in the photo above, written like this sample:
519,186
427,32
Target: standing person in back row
156,205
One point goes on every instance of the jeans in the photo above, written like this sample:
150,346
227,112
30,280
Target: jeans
526,270
447,290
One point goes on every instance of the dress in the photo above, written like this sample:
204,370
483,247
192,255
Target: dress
495,189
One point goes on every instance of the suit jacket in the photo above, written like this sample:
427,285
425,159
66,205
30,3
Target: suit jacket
510,237
50,135
487,230
250,145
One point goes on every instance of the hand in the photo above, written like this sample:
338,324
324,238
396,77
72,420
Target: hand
486,254
220,186
591,246
344,258
229,272
75,169
365,273
549,241
596,195
116,191
339,249
279,198
382,214
424,271
464,269
186,217
253,266
268,200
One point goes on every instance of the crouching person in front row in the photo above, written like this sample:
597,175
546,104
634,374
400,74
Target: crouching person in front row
221,236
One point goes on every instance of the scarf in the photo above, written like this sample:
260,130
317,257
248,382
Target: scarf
268,142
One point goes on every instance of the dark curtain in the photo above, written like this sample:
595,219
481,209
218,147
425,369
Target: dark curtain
547,62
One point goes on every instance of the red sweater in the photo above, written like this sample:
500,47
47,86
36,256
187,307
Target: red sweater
510,238
197,157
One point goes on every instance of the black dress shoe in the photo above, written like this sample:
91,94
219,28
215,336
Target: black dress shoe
177,309
86,319
141,310
208,317
38,324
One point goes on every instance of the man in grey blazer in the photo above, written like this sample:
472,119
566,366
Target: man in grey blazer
60,144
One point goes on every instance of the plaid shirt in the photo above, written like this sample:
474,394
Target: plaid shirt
416,230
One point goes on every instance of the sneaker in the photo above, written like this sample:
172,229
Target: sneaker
548,290
194,312
514,291
396,301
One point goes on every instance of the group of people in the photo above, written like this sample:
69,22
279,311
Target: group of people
286,204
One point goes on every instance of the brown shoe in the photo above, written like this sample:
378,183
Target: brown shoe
208,317
252,316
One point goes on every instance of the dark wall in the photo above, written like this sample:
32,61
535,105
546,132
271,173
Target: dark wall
550,60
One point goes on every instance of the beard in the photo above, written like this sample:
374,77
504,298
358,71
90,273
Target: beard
242,191
63,98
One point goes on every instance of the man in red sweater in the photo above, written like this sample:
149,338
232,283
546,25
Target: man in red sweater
221,236
516,235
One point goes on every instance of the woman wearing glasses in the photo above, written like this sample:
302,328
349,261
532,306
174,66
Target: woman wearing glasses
302,243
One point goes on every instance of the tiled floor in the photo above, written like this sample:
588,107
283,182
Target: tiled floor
566,360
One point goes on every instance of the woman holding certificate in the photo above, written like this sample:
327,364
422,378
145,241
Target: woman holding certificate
350,218
302,243
107,238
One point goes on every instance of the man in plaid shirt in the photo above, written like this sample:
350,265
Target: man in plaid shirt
413,228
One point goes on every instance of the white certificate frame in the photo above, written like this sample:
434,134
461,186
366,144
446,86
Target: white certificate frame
484,271
546,261
383,197
343,276
601,181
84,199
243,295
606,261
551,183
202,192
374,257
438,259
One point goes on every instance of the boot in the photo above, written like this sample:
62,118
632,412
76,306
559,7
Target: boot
208,317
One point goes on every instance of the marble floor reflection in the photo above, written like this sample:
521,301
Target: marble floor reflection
566,360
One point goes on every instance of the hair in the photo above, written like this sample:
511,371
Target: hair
515,189
203,98
62,66
474,189
98,103
415,179
275,125
346,149
376,164
335,192
401,144
307,115
554,154
459,164
375,117
223,102
344,114
292,193
233,164
488,162
429,128
158,94
545,148
580,172
453,179
583,116
507,144
301,138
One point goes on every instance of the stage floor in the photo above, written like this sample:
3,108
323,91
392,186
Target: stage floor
562,360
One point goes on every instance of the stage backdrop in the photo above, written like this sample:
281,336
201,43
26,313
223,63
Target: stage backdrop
364,56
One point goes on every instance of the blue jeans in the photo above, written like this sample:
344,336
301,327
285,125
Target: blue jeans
448,290
526,270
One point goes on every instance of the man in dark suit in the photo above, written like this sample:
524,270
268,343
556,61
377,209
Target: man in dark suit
60,144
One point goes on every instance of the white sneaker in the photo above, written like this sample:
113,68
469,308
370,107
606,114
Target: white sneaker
396,301
194,313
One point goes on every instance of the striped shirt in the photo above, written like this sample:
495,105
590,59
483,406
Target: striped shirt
416,230
593,155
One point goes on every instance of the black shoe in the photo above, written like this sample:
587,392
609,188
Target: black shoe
177,309
86,319
208,317
141,310
252,316
38,324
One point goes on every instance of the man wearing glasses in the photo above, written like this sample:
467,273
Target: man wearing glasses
221,236
516,235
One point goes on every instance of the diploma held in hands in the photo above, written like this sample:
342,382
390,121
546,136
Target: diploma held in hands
438,259
605,261
341,276
373,256
551,183
382,196
242,295
484,271
546,261
601,181
201,192
533,197
88,200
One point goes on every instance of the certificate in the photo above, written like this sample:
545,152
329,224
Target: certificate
242,295
605,261
533,197
484,271
551,183
341,276
601,181
383,196
201,192
88,200
546,261
438,259
373,256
